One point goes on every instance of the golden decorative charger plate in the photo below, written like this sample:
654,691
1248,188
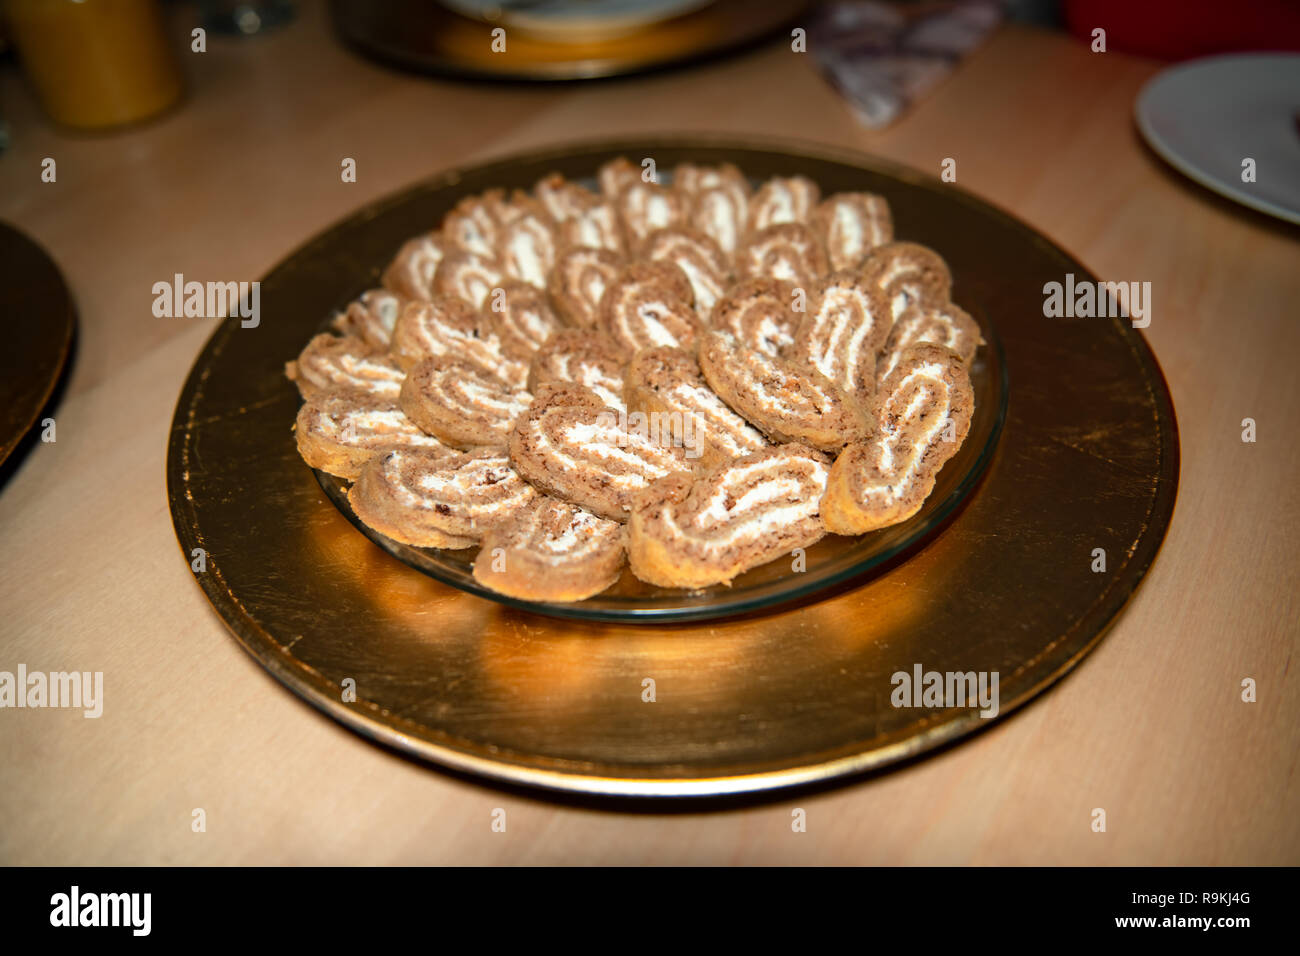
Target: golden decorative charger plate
427,36
1087,459
40,327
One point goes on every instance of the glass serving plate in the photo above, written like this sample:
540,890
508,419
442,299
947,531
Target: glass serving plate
829,562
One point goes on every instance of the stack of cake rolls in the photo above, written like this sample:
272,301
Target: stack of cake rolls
689,378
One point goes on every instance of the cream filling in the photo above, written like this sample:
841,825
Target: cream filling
561,200
530,254
779,207
405,496
421,262
902,299
772,336
891,363
566,542
609,390
934,326
901,466
379,311
595,228
897,268
875,218
931,326
760,511
649,330
719,423
377,378
704,283
646,210
528,324
757,369
458,488
477,286
721,221
475,279
843,325
900,270
477,395
441,339
471,234
594,287
611,443
784,270
846,232
365,427
584,535
658,211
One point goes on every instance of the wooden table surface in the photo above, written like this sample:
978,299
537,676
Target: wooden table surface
1151,727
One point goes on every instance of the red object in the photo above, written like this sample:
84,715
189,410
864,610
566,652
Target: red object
1181,29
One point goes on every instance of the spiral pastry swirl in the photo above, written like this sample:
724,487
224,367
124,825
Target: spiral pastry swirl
461,405
694,179
411,272
527,246
596,227
644,207
431,500
783,200
760,314
695,532
648,305
561,198
579,280
334,363
945,324
616,175
907,274
789,252
475,223
785,402
923,413
587,359
651,372
581,217
468,276
521,317
371,318
721,213
843,332
449,328
701,261
665,385
553,551
338,432
575,449
850,225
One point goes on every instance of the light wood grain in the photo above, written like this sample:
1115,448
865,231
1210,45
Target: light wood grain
1150,727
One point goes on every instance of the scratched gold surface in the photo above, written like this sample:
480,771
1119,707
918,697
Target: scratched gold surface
799,692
